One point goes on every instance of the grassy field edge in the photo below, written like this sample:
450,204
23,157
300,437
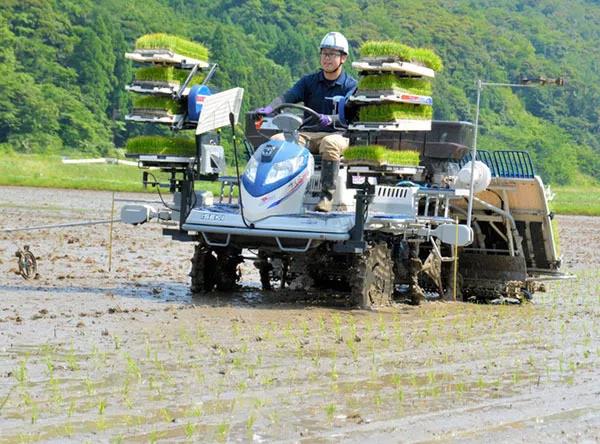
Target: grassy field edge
48,171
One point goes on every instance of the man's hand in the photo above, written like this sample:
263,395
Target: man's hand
325,120
264,111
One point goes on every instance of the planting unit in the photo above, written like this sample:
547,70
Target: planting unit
170,87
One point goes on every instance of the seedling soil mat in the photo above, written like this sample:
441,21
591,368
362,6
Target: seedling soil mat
164,57
394,96
401,125
154,116
155,88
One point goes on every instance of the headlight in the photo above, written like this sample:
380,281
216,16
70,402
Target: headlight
283,169
251,169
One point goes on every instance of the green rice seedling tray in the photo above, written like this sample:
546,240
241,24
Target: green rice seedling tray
160,104
378,155
385,48
392,83
161,145
173,43
394,112
397,52
156,109
169,50
166,75
164,80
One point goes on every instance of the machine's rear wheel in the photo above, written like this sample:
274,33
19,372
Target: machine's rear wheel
204,268
265,269
228,272
274,271
372,277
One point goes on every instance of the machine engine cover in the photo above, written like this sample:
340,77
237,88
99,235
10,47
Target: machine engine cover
275,180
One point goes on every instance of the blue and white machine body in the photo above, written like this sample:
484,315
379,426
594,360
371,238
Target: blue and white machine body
275,190
275,180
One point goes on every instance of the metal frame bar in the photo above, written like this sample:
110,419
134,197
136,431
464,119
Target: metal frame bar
217,244
266,233
508,216
480,85
294,250
438,253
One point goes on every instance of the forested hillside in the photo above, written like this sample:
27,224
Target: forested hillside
62,71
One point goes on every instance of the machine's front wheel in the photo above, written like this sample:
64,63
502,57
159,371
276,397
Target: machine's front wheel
204,268
372,281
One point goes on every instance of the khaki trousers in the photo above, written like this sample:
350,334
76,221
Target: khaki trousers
329,145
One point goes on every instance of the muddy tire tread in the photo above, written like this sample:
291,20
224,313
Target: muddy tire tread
203,270
372,278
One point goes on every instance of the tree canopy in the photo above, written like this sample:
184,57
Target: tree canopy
63,74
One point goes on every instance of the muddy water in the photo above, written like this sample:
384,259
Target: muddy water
129,355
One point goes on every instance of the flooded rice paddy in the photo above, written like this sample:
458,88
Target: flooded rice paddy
130,356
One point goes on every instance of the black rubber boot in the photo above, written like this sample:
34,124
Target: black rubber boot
329,174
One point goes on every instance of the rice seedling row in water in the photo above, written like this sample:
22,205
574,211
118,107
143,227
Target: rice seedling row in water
166,74
173,43
394,82
157,103
380,154
423,56
183,146
394,112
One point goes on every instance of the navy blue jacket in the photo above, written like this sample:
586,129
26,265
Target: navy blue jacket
316,93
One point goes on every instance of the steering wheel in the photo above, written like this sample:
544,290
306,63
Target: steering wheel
312,112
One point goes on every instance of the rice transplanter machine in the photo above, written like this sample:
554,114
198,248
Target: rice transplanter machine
397,230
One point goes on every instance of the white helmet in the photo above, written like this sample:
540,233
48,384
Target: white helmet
335,40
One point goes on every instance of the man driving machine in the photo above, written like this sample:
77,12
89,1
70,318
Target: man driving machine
316,91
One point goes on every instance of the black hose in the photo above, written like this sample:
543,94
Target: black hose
160,194
237,169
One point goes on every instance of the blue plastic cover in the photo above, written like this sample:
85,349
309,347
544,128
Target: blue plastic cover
287,150
195,100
